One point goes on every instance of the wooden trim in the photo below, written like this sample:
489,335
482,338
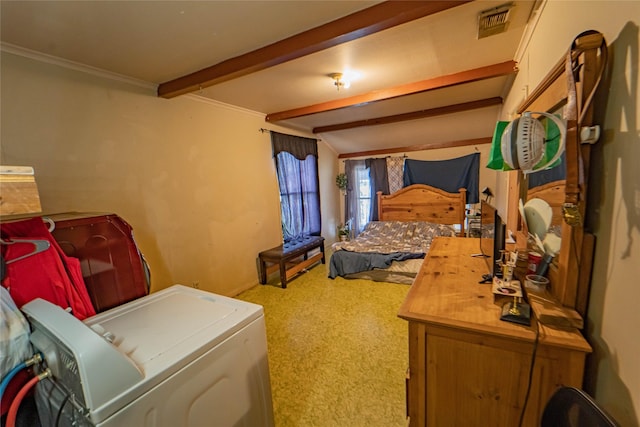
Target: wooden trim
351,27
550,100
583,44
431,112
467,76
437,145
418,373
547,82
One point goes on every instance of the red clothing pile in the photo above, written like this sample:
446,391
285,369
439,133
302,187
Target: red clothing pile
50,274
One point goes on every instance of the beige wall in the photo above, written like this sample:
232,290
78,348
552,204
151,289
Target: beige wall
195,179
613,372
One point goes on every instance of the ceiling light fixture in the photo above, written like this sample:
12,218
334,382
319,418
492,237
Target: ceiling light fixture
339,82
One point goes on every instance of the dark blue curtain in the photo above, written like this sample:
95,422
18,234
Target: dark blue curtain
448,175
297,168
379,182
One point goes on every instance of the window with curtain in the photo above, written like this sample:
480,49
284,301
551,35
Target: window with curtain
358,200
364,179
363,194
297,168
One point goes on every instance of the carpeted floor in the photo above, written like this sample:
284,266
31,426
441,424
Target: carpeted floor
337,350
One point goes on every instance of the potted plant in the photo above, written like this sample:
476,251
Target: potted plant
341,181
344,231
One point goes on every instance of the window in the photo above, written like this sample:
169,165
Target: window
363,194
364,179
297,168
358,200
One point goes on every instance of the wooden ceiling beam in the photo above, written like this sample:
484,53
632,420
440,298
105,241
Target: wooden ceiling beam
351,27
421,114
468,76
450,144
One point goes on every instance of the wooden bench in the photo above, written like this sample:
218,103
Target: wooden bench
285,258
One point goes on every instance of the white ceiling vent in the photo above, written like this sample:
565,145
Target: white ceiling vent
493,21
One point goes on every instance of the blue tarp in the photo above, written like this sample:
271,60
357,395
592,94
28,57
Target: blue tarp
448,175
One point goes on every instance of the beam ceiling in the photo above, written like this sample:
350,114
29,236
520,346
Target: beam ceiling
431,112
360,24
468,76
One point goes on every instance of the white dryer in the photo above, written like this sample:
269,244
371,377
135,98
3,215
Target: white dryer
177,357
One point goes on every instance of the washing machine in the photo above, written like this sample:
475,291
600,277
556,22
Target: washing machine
177,357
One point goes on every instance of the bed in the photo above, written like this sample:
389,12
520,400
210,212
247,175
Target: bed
393,248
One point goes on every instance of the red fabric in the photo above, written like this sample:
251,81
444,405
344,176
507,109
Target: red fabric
50,275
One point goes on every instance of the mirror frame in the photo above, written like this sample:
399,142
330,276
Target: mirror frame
570,276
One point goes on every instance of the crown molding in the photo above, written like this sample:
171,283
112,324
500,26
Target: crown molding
65,63
206,100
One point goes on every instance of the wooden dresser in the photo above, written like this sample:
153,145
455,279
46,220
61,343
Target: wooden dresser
466,366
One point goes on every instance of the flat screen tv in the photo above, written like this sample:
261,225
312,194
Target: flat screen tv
492,239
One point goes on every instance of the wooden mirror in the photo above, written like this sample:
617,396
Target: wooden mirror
568,89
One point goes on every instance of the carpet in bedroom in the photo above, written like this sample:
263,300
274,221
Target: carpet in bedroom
337,350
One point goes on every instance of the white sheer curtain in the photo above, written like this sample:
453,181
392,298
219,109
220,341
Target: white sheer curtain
356,207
